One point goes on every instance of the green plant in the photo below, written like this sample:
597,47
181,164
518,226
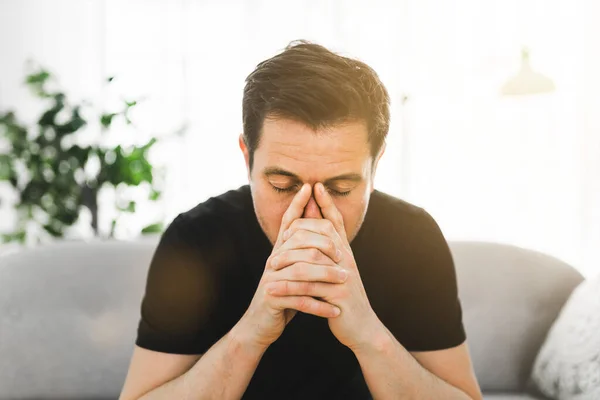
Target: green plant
56,178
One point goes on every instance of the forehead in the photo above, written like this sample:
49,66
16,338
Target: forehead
313,155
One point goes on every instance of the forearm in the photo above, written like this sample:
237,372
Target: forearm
223,372
391,372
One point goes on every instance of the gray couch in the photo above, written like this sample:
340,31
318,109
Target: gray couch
69,312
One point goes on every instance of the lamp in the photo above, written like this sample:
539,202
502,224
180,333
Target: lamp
527,81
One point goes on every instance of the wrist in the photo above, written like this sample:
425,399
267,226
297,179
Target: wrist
376,338
243,338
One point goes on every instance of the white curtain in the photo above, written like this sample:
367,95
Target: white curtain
524,171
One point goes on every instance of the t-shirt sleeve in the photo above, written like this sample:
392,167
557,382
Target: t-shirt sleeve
431,318
180,295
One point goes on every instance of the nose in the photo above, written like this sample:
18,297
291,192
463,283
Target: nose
312,209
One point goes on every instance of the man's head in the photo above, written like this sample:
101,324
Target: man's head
311,116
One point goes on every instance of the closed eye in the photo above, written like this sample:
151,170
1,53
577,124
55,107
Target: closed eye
295,187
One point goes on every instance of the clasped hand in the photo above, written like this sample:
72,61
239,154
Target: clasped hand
312,270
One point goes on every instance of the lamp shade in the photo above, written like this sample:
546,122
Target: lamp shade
527,81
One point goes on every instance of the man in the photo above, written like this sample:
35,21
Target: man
307,283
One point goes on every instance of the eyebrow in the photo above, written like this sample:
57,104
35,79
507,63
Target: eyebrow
353,177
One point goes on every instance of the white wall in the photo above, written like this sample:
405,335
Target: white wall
73,39
67,37
503,169
522,171
589,140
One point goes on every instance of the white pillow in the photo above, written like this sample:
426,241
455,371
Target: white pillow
568,364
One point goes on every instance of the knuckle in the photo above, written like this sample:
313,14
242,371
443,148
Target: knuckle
301,303
342,274
279,258
330,245
329,228
301,236
323,308
314,254
332,274
301,286
309,287
312,305
296,273
306,270
320,273
267,290
289,219
293,225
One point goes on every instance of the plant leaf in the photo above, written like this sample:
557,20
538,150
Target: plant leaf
154,195
6,167
130,207
153,228
113,227
38,78
47,118
37,82
53,230
18,236
106,119
73,125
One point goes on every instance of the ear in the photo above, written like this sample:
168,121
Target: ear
244,148
381,151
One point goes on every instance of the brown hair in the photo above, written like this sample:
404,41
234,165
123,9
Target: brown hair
309,83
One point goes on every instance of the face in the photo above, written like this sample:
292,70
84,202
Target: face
291,154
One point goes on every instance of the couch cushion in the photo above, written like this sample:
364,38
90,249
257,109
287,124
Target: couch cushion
568,365
68,318
510,297
69,313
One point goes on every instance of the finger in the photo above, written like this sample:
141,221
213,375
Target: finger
321,226
294,210
329,210
306,240
292,256
310,273
294,288
305,304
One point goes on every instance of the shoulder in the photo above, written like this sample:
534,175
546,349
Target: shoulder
392,203
390,218
410,276
222,208
407,241
204,238
182,303
211,221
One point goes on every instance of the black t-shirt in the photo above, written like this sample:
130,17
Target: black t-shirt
210,259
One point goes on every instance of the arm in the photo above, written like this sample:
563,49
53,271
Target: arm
154,375
178,313
443,374
390,371
444,370
178,353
